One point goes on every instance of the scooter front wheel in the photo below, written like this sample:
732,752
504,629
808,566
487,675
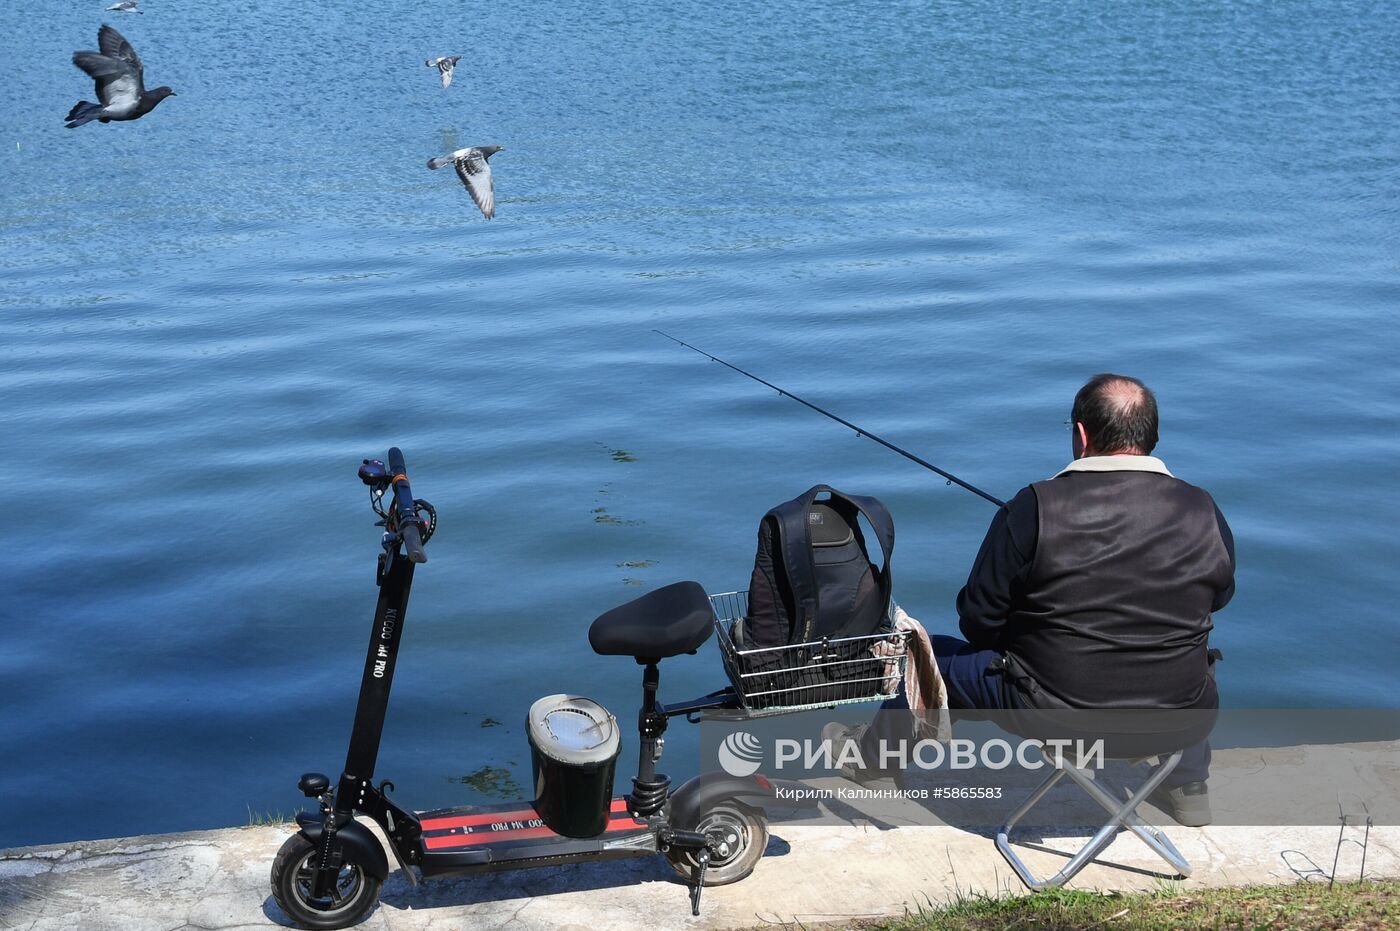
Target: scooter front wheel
742,834
350,899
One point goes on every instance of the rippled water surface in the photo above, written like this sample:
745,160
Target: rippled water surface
935,218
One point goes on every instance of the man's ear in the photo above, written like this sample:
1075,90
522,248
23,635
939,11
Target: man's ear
1081,441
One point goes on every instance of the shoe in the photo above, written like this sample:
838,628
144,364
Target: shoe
837,734
1189,805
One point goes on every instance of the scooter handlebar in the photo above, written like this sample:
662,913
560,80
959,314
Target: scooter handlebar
413,543
405,514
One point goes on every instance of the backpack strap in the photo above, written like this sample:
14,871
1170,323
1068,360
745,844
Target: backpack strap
795,540
880,521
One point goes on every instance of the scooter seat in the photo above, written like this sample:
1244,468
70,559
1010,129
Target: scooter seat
670,621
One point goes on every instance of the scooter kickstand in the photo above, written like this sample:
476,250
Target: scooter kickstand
699,881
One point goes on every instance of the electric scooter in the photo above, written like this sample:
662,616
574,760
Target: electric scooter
712,829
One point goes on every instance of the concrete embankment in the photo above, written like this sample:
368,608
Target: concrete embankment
863,866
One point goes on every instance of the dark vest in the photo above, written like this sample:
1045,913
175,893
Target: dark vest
1116,607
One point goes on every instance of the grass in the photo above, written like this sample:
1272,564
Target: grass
261,818
1302,906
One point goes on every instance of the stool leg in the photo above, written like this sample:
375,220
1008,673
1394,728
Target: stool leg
1152,836
1125,813
1003,835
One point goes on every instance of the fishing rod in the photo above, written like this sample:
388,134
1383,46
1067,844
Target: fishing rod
953,479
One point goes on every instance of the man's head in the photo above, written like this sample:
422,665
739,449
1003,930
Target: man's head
1114,415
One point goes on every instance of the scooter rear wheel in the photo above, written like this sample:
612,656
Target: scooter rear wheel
354,895
744,836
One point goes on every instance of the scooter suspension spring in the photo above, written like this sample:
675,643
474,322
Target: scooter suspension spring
649,796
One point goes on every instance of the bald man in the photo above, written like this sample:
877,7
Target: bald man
1096,588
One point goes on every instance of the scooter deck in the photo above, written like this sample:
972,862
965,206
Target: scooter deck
512,835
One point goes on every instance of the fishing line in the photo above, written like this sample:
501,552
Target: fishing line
860,431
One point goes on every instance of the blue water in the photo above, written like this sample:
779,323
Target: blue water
935,218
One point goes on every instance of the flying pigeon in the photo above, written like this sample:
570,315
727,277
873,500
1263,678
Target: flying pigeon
125,6
117,71
475,172
444,67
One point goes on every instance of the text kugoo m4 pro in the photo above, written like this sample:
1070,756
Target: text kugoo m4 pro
712,829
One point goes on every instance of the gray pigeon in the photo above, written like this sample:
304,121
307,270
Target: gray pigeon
125,6
475,172
444,67
117,71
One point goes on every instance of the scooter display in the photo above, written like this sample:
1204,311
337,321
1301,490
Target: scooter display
712,829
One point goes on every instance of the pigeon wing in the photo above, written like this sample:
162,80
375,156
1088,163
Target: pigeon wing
114,45
475,173
118,85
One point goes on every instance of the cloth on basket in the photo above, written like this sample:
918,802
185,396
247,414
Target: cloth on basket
923,684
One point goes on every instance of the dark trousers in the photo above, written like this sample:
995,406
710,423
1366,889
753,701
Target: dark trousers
971,684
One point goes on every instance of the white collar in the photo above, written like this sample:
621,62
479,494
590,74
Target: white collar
1116,464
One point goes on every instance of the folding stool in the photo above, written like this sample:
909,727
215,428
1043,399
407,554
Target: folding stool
1122,813
1164,735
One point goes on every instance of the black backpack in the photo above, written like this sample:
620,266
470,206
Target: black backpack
812,575
813,582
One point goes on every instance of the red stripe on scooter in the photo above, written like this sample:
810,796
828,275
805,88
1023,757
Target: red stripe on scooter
493,817
445,841
467,821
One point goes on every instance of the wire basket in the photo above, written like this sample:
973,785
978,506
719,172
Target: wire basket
819,674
